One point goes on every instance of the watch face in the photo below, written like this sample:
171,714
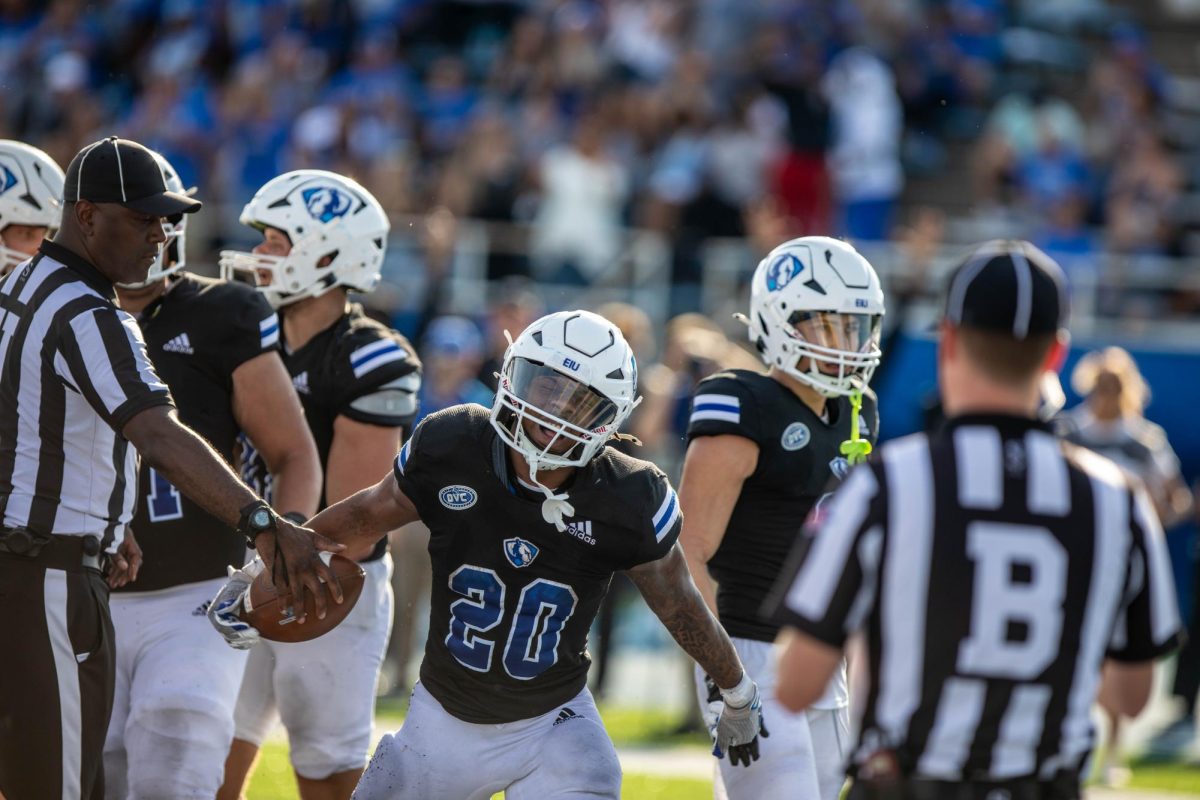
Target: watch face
261,519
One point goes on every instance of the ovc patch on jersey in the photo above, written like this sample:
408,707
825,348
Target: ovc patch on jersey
268,331
666,516
519,552
719,407
376,354
783,271
325,203
795,436
457,497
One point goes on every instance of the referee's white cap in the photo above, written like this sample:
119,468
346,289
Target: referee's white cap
116,170
1008,285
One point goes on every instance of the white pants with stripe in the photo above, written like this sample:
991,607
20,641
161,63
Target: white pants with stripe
176,686
805,755
563,754
323,690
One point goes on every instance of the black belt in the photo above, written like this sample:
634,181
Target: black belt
71,553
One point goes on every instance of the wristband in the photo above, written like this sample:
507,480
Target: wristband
740,695
295,517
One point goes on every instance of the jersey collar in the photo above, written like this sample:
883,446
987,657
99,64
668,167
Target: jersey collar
81,266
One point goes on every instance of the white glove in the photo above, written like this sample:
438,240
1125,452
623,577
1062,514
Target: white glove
225,609
740,723
709,696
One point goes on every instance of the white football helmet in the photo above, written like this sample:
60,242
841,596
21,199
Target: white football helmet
815,312
572,375
31,190
174,249
326,216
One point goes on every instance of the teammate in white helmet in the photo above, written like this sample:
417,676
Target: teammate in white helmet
323,236
216,344
762,452
530,514
31,188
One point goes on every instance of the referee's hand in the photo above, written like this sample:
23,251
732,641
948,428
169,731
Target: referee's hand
293,555
123,565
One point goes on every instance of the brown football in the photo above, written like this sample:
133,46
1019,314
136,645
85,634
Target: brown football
273,613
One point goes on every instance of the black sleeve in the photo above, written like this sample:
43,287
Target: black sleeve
661,521
723,404
1148,624
102,355
250,327
827,587
412,465
379,378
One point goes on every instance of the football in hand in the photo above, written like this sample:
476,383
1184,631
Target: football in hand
274,614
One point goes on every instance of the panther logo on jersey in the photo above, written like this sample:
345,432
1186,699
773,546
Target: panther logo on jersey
782,271
9,180
840,468
325,203
519,552
795,436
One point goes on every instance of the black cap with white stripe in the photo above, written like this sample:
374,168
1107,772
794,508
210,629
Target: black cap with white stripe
1008,285
115,170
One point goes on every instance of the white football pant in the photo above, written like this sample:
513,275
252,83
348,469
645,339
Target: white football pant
176,683
324,689
563,754
804,756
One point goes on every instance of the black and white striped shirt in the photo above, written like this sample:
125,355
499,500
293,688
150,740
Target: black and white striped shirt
993,568
73,371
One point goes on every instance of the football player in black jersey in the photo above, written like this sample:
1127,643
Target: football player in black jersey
216,345
31,189
762,451
530,514
323,235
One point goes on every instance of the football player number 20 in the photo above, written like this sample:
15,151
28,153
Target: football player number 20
164,502
531,640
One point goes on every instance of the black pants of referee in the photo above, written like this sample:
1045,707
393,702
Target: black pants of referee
56,677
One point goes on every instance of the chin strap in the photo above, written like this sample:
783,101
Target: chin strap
555,506
855,449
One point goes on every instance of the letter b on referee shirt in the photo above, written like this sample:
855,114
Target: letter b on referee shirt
1020,583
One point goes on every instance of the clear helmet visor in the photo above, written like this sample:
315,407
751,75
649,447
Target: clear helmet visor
559,398
828,330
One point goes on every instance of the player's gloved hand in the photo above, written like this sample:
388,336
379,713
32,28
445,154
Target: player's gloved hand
224,612
710,699
740,723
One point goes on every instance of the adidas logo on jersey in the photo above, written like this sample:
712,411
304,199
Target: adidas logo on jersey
581,530
301,382
179,344
565,715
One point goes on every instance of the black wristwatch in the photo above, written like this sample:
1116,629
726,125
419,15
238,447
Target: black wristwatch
255,518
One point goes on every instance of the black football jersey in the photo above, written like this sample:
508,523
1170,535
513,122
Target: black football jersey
798,459
196,334
356,368
513,597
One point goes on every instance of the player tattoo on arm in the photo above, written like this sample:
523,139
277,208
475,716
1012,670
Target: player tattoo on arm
667,586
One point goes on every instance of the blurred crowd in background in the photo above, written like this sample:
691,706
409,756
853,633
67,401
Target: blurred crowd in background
567,122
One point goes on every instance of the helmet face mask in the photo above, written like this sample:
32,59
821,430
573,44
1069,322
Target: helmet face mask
172,255
567,384
337,233
816,310
31,190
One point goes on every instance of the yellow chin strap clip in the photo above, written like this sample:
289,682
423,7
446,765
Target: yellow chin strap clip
855,449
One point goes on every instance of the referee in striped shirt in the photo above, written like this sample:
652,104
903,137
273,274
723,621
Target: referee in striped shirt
76,389
993,568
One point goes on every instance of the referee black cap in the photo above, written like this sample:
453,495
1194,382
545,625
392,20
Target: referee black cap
1008,285
115,170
